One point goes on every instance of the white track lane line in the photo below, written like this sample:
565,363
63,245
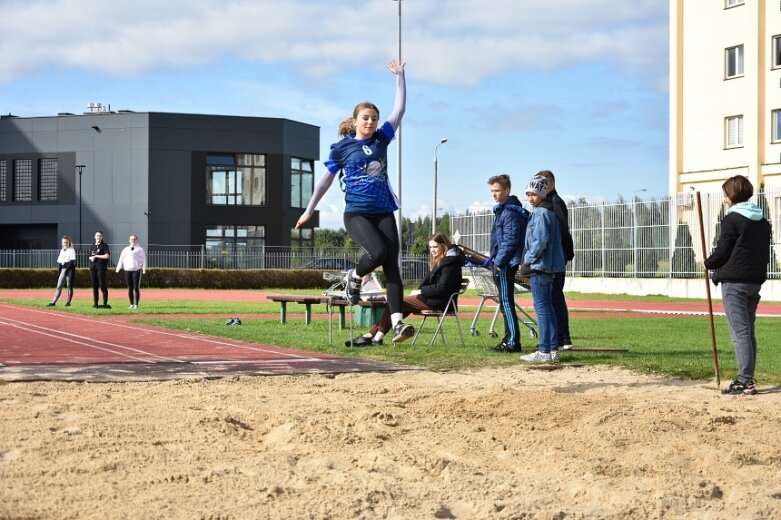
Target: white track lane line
178,335
91,346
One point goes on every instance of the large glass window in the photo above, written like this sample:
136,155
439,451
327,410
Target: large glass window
47,179
236,179
23,180
733,62
3,188
733,128
235,246
301,238
302,178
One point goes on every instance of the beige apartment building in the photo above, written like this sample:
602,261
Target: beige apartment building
725,94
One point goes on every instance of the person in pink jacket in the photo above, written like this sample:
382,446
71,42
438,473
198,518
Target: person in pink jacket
133,261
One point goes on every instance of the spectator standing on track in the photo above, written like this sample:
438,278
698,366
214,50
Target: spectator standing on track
543,256
360,158
555,203
444,279
66,263
507,235
99,256
133,260
739,262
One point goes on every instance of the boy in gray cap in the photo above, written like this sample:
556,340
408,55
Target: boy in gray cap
543,256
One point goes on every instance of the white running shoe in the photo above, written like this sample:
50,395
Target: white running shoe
567,346
537,357
555,357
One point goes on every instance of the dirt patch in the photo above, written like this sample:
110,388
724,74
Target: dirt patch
580,442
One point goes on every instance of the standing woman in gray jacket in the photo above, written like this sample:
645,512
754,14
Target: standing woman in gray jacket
66,262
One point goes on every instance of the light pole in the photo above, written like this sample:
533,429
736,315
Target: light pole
398,150
80,170
434,199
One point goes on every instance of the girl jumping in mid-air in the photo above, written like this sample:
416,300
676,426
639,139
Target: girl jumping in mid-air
361,159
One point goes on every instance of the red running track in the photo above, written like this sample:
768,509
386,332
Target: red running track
35,341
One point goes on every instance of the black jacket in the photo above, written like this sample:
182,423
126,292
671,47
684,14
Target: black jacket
562,215
443,280
742,251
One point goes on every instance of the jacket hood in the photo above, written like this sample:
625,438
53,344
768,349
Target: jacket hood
510,202
748,209
453,255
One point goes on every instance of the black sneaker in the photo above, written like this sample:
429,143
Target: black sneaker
505,347
738,388
95,306
352,288
236,321
68,304
105,306
51,304
402,332
360,341
230,321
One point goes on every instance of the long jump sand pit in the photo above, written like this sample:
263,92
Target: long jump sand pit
579,442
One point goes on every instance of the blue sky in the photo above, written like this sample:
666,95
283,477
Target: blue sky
575,86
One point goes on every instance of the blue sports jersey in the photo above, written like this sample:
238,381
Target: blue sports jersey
364,167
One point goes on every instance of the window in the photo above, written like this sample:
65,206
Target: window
302,180
235,246
734,131
3,189
776,52
23,180
236,180
301,238
733,3
734,62
47,179
776,122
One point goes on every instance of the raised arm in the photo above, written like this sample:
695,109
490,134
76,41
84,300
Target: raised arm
401,94
320,189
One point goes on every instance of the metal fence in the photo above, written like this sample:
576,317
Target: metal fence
413,267
659,238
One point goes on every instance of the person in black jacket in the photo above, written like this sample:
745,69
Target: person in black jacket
559,208
98,264
739,262
443,279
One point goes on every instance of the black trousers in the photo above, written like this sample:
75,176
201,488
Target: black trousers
379,237
133,281
98,279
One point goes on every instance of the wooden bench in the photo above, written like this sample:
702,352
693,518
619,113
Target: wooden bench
305,300
308,300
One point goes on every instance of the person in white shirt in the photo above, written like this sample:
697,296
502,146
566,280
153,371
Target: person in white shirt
66,263
133,261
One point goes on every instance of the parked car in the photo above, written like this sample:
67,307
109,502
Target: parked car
331,264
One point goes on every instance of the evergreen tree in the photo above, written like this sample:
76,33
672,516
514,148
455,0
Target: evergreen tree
684,264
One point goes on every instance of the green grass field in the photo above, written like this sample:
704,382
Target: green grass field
677,346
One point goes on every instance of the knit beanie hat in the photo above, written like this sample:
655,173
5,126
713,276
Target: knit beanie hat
538,185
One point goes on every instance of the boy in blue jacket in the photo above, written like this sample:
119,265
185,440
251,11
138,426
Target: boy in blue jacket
507,234
543,256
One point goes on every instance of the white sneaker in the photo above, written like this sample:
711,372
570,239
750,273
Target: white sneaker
131,307
567,346
555,357
536,357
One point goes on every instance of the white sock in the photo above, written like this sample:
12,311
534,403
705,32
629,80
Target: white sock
396,317
379,336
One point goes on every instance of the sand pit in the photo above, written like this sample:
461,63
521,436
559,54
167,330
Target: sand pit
496,443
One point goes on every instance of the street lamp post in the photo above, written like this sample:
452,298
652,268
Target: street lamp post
80,170
434,198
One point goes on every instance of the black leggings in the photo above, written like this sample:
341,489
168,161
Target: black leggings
98,279
133,281
379,237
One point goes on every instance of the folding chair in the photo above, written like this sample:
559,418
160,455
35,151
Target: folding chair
451,309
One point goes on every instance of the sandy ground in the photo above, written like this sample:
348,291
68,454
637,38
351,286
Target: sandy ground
578,442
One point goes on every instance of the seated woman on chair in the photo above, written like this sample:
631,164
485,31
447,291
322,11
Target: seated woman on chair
443,279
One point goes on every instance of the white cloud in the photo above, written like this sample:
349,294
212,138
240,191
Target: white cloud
454,42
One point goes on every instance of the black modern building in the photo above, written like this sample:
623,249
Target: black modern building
172,179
